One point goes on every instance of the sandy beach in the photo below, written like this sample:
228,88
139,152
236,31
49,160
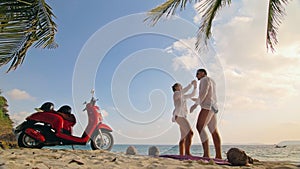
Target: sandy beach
88,159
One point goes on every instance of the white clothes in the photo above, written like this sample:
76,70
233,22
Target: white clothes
179,99
207,94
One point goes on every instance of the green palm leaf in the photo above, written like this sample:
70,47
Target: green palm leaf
276,13
24,23
209,8
168,8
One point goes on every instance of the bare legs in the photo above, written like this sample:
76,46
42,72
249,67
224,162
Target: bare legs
188,143
185,145
181,147
186,136
205,146
209,118
217,143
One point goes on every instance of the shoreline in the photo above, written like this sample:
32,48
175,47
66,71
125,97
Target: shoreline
64,158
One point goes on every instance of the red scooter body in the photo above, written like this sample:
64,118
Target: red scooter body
47,129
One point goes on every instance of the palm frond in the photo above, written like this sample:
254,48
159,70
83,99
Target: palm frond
209,8
276,12
168,8
22,24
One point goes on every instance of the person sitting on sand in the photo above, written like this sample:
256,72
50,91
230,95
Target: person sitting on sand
179,115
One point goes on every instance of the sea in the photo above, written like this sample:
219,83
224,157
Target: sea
290,153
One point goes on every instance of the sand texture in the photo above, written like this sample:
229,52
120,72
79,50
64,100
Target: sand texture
89,159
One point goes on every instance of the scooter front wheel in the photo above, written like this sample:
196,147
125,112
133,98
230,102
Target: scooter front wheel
26,141
102,141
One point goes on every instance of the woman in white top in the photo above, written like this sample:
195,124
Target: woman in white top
179,115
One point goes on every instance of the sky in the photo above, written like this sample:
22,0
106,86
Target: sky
132,65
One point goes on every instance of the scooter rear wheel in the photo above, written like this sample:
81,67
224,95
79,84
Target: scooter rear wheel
106,144
26,141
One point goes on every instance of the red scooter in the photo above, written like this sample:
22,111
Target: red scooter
52,128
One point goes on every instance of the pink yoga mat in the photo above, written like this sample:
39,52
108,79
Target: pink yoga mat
205,159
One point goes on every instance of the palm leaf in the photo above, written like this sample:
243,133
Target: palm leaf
168,8
24,23
276,13
209,9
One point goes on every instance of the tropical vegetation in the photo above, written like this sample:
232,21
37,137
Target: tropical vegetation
208,10
4,116
24,23
27,23
7,138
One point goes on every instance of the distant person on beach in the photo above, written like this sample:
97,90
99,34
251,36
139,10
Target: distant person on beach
207,117
179,115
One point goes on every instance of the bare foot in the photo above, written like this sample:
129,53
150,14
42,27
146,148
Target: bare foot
218,157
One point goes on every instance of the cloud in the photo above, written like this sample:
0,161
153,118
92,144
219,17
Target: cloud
18,118
187,58
259,85
254,77
17,94
104,113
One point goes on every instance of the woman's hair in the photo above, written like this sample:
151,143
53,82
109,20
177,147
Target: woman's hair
174,86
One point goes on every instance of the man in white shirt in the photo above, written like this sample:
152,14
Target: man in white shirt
207,117
179,115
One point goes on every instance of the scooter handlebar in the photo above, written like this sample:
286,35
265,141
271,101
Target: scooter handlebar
92,102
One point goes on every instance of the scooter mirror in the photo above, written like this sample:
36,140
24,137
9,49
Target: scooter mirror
93,92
